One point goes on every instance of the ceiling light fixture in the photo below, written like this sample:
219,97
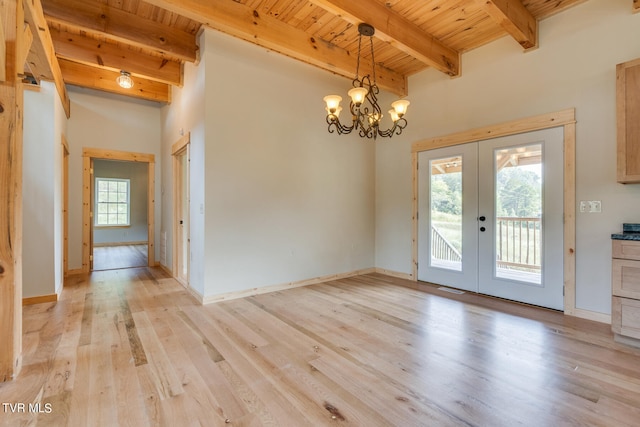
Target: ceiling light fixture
365,111
124,80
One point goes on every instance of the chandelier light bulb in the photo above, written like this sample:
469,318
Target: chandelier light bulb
358,94
333,102
400,107
124,80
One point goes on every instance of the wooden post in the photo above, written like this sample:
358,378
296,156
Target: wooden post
12,17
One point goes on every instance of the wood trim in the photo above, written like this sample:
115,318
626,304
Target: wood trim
86,214
103,153
11,140
181,144
591,315
565,118
65,204
39,299
283,286
414,217
42,58
113,244
3,53
569,228
89,154
543,121
636,6
394,273
151,214
74,272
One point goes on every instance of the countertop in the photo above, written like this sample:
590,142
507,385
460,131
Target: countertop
629,232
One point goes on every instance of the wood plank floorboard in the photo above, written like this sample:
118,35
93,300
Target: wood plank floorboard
131,347
122,256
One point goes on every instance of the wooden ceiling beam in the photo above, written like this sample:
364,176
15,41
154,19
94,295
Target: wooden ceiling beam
122,26
42,58
97,78
397,31
515,19
636,6
248,24
90,51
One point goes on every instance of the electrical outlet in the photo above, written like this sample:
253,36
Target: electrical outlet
590,206
583,206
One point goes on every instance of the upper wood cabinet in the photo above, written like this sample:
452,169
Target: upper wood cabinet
628,115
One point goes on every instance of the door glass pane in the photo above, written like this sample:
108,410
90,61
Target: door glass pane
519,213
446,213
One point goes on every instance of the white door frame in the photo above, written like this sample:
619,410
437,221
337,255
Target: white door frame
564,118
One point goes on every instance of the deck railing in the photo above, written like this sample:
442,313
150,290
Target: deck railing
518,242
442,249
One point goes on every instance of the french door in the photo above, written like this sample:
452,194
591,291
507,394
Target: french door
490,217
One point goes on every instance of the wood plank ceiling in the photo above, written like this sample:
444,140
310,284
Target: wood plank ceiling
152,39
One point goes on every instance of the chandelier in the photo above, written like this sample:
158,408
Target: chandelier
365,111
124,80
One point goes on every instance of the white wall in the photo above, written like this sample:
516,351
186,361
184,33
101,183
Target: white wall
138,176
573,67
107,122
283,199
44,123
186,114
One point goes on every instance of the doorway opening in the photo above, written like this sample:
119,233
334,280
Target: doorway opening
118,210
120,232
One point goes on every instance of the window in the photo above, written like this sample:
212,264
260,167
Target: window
112,202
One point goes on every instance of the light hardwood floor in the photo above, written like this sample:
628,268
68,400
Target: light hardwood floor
131,347
122,256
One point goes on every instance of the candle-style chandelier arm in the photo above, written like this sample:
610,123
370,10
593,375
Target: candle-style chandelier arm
363,106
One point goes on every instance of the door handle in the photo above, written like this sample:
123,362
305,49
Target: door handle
482,229
482,218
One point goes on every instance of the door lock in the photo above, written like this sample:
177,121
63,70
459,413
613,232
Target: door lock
482,218
482,229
